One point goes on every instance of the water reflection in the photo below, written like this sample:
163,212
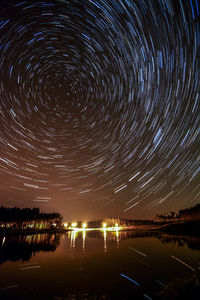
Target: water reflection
73,239
104,239
103,234
84,236
14,248
191,242
117,236
89,265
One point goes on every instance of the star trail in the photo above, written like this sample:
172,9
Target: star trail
99,106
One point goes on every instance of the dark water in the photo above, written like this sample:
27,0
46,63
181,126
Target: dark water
98,265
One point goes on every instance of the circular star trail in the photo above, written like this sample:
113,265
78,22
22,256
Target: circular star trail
99,105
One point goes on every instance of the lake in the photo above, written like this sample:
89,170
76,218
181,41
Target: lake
97,265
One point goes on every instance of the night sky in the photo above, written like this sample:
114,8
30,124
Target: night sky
99,106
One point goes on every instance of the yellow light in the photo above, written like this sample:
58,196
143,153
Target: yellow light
84,225
104,225
65,225
116,225
74,224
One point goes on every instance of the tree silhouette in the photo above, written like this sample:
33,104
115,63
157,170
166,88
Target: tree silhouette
18,218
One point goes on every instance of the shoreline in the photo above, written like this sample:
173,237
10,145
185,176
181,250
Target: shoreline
190,228
31,232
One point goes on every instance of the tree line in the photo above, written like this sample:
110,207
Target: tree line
27,217
25,214
192,213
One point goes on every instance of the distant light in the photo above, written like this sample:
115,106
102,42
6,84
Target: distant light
116,225
74,224
65,225
84,225
104,225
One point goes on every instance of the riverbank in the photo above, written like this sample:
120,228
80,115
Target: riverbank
8,231
190,228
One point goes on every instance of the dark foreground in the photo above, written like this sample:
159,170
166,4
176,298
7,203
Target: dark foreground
99,265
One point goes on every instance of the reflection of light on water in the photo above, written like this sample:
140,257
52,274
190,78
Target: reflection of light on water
73,239
84,236
117,236
182,262
73,236
104,238
108,235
